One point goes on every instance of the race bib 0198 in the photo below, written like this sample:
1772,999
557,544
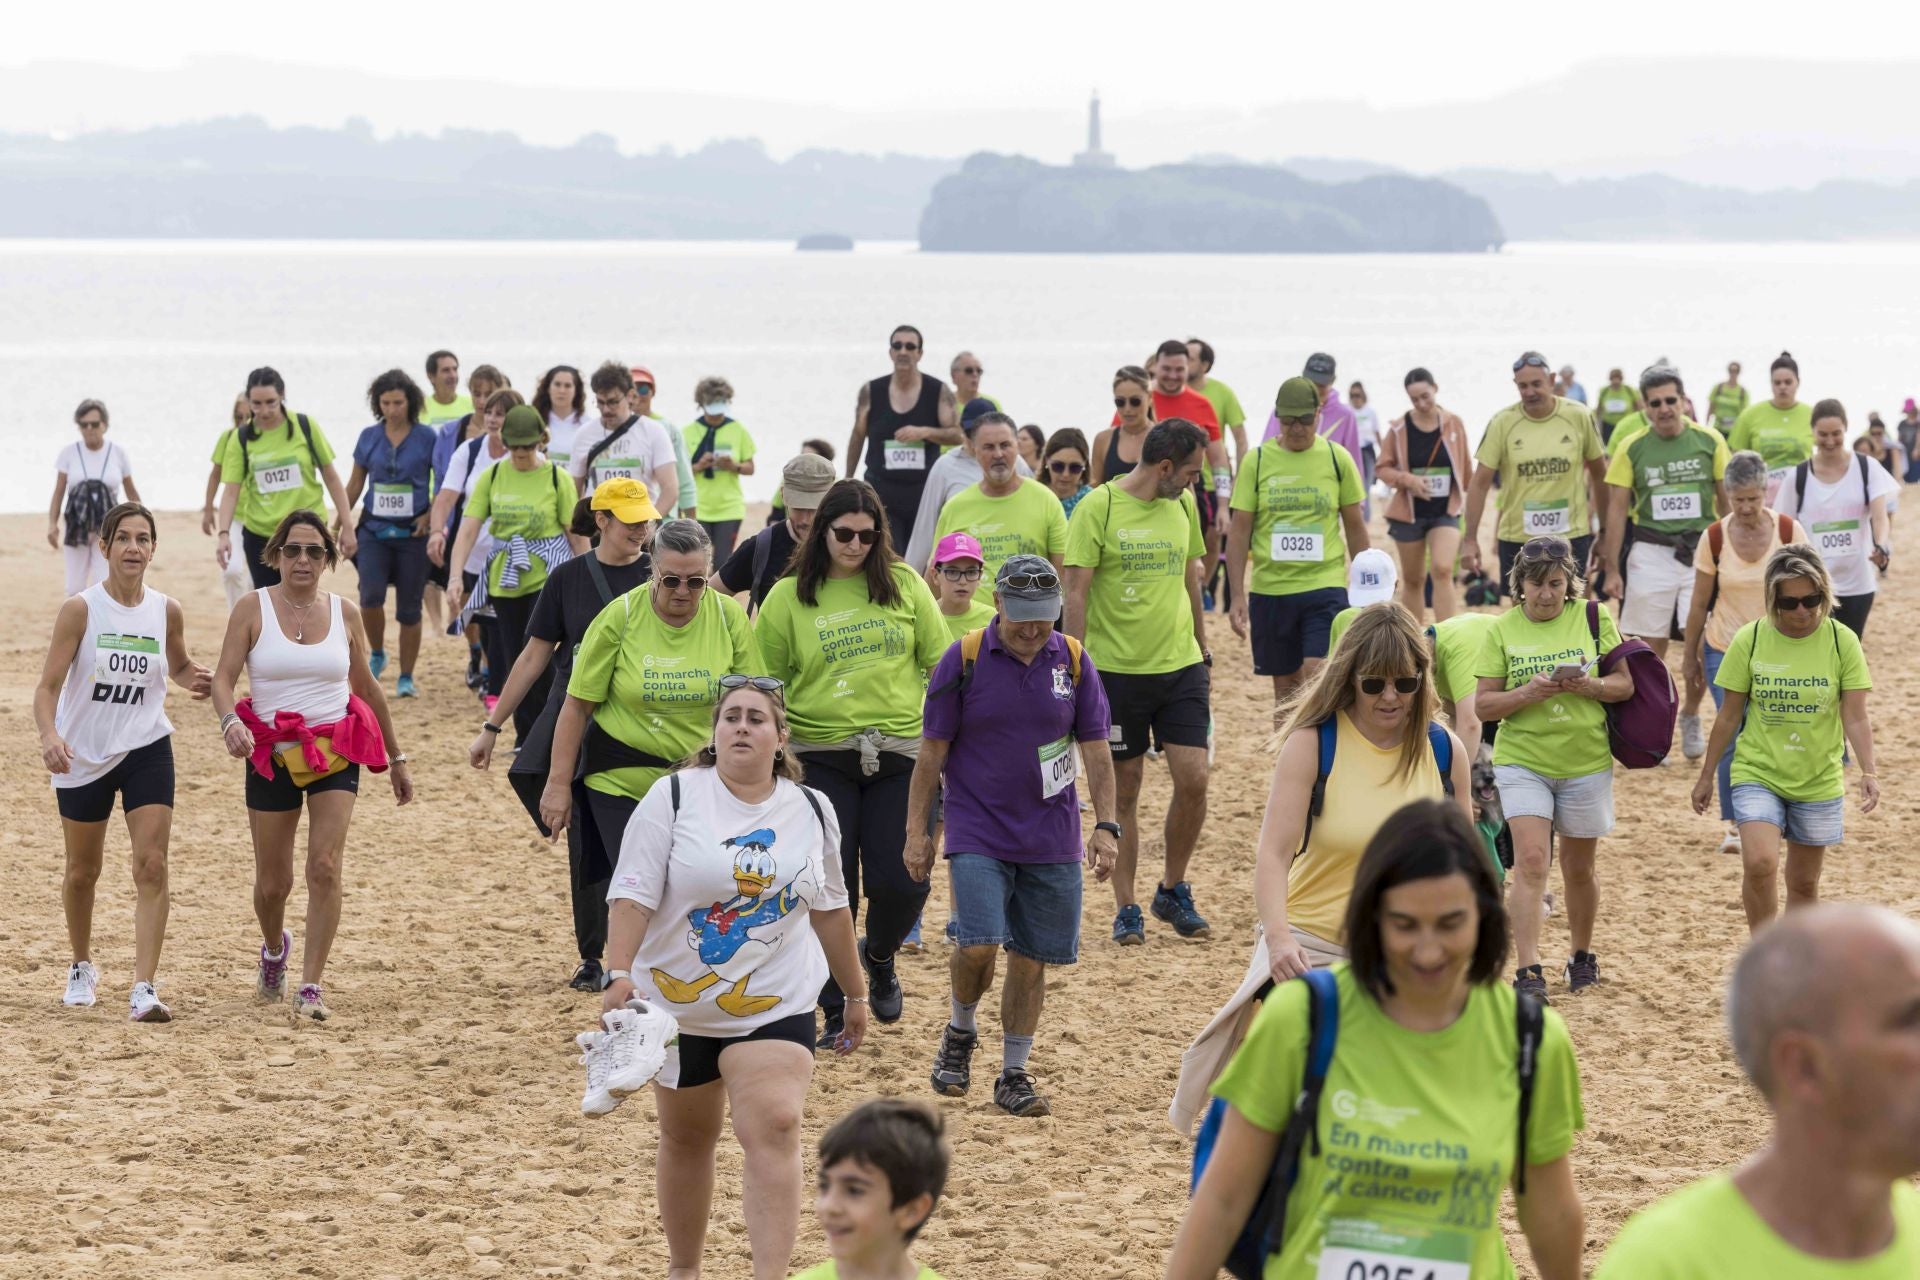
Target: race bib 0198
393,501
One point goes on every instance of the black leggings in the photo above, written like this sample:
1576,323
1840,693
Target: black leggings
590,868
1851,612
723,533
493,644
872,810
251,545
512,616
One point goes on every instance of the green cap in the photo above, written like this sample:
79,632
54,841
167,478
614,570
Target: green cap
524,426
1298,398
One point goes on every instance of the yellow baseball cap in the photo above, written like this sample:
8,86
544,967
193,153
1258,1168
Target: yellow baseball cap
626,500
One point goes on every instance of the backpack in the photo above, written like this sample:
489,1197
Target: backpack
1438,739
1800,483
1717,541
306,429
813,801
1264,1232
1639,730
970,653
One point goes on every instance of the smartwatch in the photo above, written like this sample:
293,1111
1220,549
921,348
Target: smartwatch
1113,827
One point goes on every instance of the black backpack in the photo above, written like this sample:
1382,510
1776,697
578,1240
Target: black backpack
306,430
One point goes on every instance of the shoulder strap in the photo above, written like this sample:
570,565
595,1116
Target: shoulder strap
1866,489
1073,657
1530,1022
762,553
1786,529
673,788
969,654
599,575
473,453
813,802
1269,1221
1442,744
306,429
606,441
1593,626
1716,538
1328,734
1800,485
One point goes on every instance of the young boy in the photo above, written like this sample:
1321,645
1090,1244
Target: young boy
882,1168
957,564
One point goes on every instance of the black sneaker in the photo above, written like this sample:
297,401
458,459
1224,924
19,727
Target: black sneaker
832,1027
883,987
1130,927
1583,971
1175,906
952,1074
589,977
1530,980
1013,1093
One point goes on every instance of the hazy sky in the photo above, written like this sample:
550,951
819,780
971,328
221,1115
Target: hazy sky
989,52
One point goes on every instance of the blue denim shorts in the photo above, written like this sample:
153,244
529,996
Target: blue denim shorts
1817,823
1032,908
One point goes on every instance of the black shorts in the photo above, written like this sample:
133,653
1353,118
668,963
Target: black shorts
278,794
1207,504
1289,629
144,776
700,1055
1171,708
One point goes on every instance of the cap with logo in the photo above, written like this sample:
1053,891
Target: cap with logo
1371,578
1033,601
1298,398
960,546
626,500
804,481
523,426
1319,369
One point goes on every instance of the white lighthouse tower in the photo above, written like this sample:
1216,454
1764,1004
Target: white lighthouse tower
1093,157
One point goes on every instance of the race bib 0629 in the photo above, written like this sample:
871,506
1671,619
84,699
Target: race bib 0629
1675,503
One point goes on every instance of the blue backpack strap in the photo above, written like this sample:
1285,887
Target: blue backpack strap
1303,1124
1329,736
1442,743
1531,1021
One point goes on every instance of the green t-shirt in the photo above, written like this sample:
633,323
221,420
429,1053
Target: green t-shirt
1708,1230
1028,521
433,413
1791,740
1341,621
1565,736
1295,499
1784,437
1614,403
719,498
533,504
278,475
1226,405
850,664
1543,486
829,1271
656,684
1456,652
1673,482
1726,404
1624,430
1138,610
1417,1131
979,613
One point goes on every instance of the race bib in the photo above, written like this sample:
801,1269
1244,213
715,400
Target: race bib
1614,405
1675,502
1437,481
393,501
1546,517
603,474
904,457
276,479
1298,545
1058,767
1837,539
122,662
1357,1250
723,451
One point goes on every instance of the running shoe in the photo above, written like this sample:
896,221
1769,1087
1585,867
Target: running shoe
405,688
952,1072
1175,906
377,662
271,981
832,1027
144,1005
476,673
1014,1094
489,701
589,977
1693,743
1583,971
638,1035
1130,927
1730,840
82,980
883,986
1531,981
596,1101
911,944
311,1002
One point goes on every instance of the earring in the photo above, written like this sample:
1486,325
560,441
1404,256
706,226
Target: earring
779,754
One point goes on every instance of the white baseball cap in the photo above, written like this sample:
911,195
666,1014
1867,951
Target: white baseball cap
1372,578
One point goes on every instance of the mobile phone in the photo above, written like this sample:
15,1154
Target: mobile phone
1567,671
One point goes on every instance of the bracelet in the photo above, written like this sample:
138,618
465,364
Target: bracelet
399,759
488,726
614,975
229,720
1874,776
859,1000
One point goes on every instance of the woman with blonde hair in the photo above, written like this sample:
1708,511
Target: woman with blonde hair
1785,674
1133,407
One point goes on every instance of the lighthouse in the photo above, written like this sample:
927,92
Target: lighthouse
1093,157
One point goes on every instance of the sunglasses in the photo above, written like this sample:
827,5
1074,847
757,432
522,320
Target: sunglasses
1789,603
1532,360
673,581
1128,402
303,551
643,388
1664,402
972,371
92,425
844,535
1297,422
1544,546
1031,581
960,575
1066,468
905,346
1374,686
765,684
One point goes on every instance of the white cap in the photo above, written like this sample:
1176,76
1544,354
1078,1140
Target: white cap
1372,578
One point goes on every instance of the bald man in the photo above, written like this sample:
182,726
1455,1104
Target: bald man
1824,1011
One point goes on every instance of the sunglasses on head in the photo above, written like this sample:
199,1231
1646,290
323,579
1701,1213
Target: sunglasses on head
1664,402
845,535
1374,686
960,575
1532,360
765,684
1031,581
1789,603
1060,468
905,346
673,581
1545,546
1128,402
303,551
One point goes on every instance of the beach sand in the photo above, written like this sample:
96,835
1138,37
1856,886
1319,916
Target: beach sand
433,1127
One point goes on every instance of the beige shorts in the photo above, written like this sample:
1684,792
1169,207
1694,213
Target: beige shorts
1321,954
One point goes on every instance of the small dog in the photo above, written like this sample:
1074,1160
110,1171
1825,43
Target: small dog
1486,804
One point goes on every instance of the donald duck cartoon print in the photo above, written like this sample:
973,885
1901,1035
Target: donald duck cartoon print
721,935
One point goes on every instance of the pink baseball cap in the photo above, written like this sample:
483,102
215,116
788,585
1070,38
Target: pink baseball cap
1908,406
958,546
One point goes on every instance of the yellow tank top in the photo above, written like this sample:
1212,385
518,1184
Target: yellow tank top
1362,792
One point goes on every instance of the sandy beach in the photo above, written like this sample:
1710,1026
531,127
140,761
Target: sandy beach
433,1128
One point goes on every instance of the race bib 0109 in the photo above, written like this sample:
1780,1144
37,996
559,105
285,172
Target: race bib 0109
904,457
393,501
1298,545
276,478
1546,517
124,661
1058,767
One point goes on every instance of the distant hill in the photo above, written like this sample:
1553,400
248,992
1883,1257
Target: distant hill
1011,204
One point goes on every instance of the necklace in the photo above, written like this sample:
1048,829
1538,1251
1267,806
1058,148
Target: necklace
300,621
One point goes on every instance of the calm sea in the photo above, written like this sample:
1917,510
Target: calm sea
165,333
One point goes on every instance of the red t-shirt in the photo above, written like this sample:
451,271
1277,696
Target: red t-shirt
1185,403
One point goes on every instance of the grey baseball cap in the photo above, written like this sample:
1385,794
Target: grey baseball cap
1032,603
804,481
1319,369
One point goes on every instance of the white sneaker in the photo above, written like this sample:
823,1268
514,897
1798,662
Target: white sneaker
1546,905
144,1005
82,980
310,1002
597,1101
636,1045
1730,840
271,981
1693,743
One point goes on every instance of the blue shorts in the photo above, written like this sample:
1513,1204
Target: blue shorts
1031,908
1817,823
397,562
1289,629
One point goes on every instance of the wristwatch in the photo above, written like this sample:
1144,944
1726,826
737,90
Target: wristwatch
1113,827
615,974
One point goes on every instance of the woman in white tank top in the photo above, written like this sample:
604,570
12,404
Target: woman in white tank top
100,707
305,656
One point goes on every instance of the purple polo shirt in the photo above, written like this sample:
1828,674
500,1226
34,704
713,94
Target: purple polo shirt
1009,711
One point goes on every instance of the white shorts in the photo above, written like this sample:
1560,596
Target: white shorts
1659,588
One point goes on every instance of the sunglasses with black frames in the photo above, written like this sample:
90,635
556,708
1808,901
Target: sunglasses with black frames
1374,686
845,535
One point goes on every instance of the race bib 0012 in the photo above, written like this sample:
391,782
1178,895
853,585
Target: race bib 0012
1546,517
277,478
1058,767
1298,545
904,457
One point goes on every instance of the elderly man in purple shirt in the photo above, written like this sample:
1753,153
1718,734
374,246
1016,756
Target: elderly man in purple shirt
1005,709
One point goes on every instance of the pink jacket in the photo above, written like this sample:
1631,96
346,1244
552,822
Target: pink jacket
1394,465
356,738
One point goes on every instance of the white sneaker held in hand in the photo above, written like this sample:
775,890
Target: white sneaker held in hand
597,1101
636,1045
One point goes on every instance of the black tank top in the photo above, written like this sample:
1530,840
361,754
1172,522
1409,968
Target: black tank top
900,484
1116,465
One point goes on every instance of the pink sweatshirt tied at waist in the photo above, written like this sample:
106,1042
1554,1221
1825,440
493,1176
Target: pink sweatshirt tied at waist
355,737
